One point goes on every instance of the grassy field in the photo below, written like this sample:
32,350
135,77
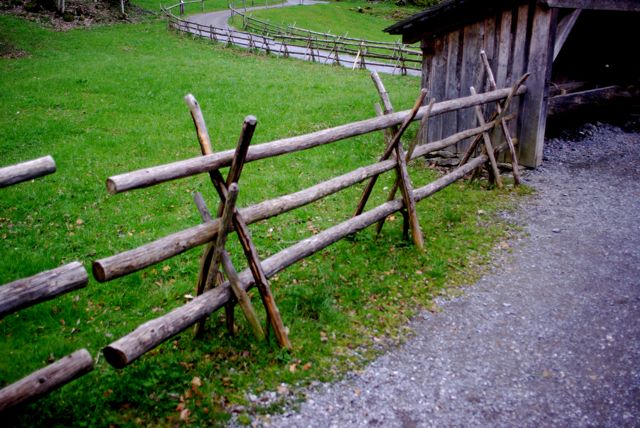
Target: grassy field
350,18
108,100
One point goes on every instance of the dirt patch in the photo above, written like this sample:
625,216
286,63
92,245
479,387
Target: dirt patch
8,50
77,13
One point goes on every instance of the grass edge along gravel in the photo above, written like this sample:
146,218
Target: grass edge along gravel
88,98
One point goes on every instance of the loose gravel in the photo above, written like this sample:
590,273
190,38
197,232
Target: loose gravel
550,337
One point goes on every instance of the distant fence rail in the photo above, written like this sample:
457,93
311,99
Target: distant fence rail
387,57
396,53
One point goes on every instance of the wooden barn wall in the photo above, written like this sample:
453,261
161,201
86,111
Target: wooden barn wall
514,40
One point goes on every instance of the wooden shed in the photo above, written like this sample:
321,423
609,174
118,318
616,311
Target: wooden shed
575,50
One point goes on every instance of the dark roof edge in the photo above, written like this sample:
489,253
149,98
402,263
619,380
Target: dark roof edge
446,15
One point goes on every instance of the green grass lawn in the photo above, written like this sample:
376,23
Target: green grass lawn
352,18
108,100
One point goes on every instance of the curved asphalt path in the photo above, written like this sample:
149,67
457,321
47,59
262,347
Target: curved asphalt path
220,20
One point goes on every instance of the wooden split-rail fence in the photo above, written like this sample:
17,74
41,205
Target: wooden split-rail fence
213,291
329,46
392,58
38,288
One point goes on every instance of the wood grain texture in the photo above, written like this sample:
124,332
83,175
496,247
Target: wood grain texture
28,170
533,116
127,349
121,264
186,168
44,286
470,73
45,380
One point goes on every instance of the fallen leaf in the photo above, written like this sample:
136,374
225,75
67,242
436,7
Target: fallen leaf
292,368
184,415
166,268
307,366
79,221
196,382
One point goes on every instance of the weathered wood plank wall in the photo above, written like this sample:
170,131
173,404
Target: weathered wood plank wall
515,41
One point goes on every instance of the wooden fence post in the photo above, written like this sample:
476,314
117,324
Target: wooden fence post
503,124
240,225
406,187
241,295
487,142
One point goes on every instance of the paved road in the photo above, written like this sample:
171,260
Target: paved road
550,338
220,20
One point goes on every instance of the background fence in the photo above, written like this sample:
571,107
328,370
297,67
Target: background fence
392,58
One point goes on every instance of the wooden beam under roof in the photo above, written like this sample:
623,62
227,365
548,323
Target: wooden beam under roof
616,5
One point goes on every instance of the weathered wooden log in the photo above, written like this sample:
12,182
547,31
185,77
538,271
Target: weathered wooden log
44,286
238,291
45,380
147,336
213,276
424,126
487,143
503,123
402,176
406,188
24,171
382,91
225,226
154,252
243,298
575,100
514,91
241,227
189,167
391,145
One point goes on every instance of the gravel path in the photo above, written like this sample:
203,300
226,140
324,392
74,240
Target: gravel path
552,338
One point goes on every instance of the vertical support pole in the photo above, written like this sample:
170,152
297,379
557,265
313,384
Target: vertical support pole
244,235
533,114
487,142
503,123
424,128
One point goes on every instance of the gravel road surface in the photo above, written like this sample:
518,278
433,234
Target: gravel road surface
550,337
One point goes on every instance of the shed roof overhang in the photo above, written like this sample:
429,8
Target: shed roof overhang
451,14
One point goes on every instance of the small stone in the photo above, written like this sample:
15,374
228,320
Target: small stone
555,230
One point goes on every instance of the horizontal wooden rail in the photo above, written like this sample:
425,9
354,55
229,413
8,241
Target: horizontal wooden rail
24,171
46,380
164,248
189,167
152,333
380,54
293,29
43,286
